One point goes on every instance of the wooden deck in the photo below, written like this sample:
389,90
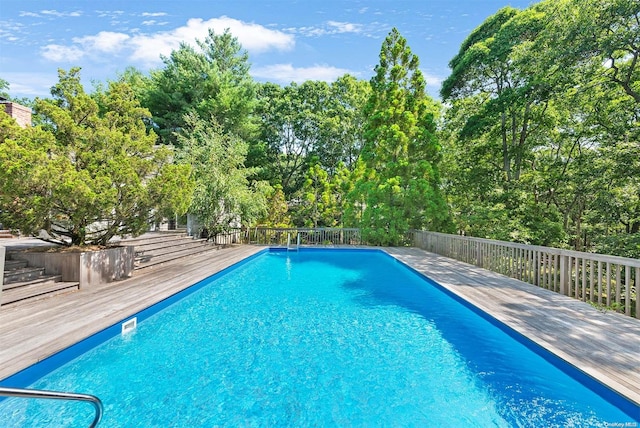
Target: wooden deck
604,345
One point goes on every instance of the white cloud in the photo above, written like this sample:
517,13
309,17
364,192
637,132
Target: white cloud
253,37
148,47
153,14
432,80
103,42
59,53
57,14
109,13
149,22
329,28
29,14
10,30
344,27
30,84
286,73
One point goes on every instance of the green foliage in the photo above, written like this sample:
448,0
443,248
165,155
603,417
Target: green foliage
541,137
604,43
623,245
87,175
291,129
539,142
399,186
212,82
277,209
4,88
313,122
323,197
223,197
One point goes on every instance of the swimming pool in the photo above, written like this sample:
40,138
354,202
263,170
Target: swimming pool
315,337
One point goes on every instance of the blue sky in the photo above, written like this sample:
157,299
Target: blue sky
286,40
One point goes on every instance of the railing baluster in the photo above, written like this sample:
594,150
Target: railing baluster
627,290
618,284
591,280
637,289
584,276
608,284
584,280
600,282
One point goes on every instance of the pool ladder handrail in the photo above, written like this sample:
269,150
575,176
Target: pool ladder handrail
57,395
289,247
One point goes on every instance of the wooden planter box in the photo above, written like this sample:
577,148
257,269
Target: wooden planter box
88,268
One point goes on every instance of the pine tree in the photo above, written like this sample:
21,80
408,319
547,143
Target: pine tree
400,186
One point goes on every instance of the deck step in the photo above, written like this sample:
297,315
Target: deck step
165,249
33,282
155,248
146,261
5,234
155,237
14,264
24,283
21,274
36,290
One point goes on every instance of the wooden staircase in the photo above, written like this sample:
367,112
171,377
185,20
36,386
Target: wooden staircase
156,248
5,234
23,283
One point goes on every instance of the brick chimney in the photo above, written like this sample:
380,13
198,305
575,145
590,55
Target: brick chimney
20,113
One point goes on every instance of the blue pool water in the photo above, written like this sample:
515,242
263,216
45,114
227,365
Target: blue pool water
318,338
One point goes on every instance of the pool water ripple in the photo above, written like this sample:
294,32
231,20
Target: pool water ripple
316,338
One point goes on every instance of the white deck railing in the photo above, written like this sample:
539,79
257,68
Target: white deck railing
2,256
607,281
307,236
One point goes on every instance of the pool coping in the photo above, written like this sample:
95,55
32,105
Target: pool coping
35,331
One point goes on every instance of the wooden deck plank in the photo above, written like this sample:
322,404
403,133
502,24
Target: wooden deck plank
603,345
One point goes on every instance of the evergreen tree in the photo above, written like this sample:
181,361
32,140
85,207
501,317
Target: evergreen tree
213,81
91,171
399,187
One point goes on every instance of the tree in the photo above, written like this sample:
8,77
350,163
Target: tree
223,196
600,71
4,87
212,82
309,130
400,183
500,118
343,123
277,209
292,122
318,208
87,175
603,43
541,137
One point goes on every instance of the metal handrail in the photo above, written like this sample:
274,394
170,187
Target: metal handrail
56,395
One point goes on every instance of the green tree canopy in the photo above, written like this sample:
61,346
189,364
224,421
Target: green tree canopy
211,81
91,171
399,188
223,196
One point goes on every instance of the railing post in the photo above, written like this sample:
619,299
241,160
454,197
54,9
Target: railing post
564,274
3,253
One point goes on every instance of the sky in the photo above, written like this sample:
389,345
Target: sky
287,41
